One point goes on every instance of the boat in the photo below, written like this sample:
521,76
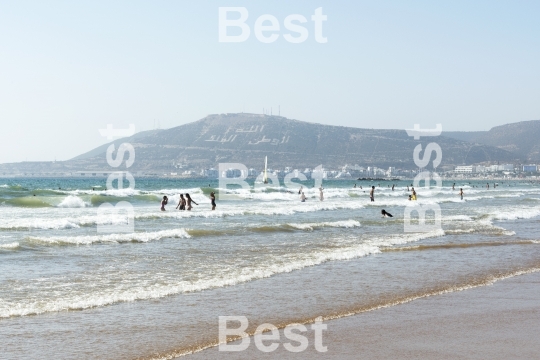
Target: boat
265,174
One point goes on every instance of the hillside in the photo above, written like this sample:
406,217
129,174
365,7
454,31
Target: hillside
468,136
521,138
247,138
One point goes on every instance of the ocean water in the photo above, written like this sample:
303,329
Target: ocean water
68,291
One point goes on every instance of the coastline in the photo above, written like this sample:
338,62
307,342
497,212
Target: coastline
498,321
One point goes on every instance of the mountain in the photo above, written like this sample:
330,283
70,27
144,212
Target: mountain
468,136
100,150
521,138
248,138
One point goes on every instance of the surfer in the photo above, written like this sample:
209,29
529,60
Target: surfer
385,213
461,193
189,201
164,202
321,195
372,193
213,199
303,197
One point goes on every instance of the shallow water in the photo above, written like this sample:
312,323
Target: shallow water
68,291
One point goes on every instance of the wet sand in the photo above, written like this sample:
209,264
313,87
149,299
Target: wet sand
500,321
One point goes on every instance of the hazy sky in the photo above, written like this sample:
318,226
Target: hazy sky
68,68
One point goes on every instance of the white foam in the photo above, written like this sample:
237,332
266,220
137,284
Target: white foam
335,224
45,224
72,202
12,245
458,218
235,275
116,238
518,213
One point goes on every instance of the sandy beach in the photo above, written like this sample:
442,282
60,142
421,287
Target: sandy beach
500,321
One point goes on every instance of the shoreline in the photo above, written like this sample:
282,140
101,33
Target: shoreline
496,321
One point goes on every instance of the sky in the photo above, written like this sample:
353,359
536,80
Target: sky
69,68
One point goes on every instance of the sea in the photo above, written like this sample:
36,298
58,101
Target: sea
70,290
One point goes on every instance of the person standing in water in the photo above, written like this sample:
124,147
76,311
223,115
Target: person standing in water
180,199
321,195
461,193
488,186
300,190
189,201
393,187
372,194
354,186
213,199
164,202
453,186
181,203
183,206
303,197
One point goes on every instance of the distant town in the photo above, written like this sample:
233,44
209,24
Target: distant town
346,172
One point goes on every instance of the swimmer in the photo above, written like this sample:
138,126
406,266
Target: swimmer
189,201
213,199
385,214
181,203
164,202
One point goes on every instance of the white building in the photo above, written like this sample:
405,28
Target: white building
210,173
481,169
464,169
